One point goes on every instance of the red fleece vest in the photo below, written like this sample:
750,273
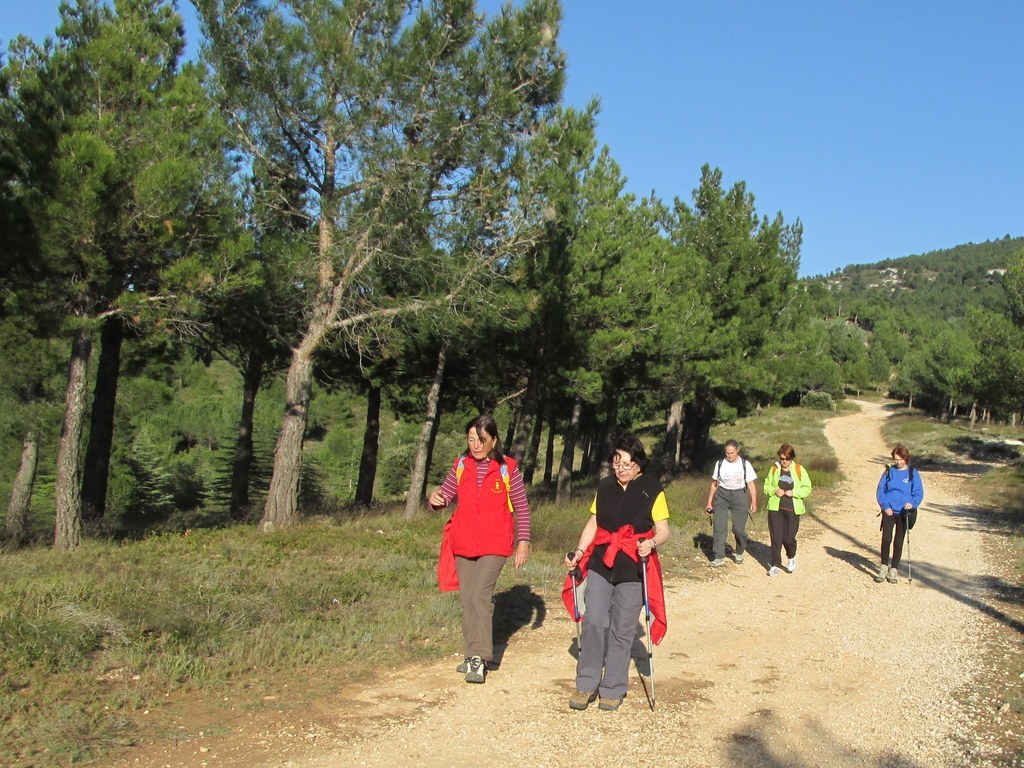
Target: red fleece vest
482,523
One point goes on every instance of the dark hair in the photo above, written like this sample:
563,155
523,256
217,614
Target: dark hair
900,450
731,444
485,424
631,444
786,450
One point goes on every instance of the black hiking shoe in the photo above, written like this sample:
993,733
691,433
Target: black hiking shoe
476,670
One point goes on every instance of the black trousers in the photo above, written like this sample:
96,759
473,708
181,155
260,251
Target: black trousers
890,522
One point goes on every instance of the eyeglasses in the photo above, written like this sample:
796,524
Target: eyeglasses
784,458
617,462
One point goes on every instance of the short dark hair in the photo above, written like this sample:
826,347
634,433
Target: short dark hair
731,444
485,424
786,451
631,444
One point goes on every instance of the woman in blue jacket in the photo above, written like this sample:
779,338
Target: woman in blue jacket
899,490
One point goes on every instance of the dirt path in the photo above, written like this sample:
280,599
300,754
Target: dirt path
819,667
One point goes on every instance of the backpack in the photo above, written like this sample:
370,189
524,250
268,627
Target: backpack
743,463
911,514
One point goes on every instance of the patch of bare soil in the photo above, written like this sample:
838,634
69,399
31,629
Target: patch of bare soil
821,667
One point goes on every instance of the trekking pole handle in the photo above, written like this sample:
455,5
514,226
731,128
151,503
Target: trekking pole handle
575,572
643,558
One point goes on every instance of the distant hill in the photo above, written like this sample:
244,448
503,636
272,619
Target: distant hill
939,283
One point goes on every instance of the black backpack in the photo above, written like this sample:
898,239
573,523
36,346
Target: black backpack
743,463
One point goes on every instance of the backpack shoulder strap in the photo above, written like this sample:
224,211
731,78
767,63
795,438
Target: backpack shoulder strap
508,484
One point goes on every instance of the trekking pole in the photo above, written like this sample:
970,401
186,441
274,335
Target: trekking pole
647,614
576,616
910,569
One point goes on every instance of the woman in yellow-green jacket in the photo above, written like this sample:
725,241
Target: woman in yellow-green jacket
786,486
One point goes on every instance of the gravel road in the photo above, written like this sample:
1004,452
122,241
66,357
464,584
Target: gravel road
822,667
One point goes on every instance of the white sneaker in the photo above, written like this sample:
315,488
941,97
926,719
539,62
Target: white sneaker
883,571
738,559
792,565
774,571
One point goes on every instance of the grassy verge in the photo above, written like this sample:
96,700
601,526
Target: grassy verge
92,640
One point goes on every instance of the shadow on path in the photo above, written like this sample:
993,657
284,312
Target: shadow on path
513,609
950,583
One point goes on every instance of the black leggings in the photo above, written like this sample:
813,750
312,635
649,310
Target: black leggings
899,522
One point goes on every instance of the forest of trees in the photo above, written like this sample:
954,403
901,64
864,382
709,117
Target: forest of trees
255,285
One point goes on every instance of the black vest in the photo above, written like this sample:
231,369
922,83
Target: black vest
616,507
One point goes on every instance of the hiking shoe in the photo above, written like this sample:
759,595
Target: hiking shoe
883,571
476,670
738,559
610,705
581,699
792,565
894,576
774,570
463,668
718,562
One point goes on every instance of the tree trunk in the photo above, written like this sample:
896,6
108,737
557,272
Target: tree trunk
527,415
608,437
510,430
563,495
549,454
673,439
96,468
530,460
21,492
68,491
418,482
241,466
698,415
974,414
282,507
371,444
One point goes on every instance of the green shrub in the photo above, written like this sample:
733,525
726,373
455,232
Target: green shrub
819,401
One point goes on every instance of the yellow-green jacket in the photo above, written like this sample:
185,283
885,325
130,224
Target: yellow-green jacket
801,487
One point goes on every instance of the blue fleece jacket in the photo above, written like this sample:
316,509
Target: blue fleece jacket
895,489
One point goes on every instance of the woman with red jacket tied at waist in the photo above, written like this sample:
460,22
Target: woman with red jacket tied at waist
480,535
628,520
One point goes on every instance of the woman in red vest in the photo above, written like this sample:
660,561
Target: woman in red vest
628,520
490,522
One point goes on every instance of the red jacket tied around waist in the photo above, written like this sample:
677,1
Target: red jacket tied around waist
625,540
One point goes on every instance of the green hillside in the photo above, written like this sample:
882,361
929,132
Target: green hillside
940,284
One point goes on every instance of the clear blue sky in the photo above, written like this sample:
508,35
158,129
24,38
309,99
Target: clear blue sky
888,127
